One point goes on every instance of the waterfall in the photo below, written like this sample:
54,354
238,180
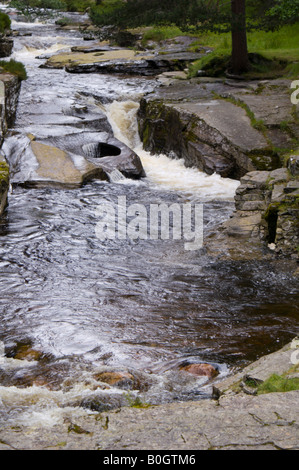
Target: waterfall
162,171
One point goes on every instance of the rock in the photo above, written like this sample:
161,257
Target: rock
203,370
105,60
293,165
117,379
95,61
128,165
35,163
280,175
27,353
256,179
55,165
10,87
88,144
243,225
199,115
6,46
4,184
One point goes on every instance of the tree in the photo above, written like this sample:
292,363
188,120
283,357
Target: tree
202,15
240,60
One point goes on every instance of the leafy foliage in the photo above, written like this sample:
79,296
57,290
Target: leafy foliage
15,68
183,13
4,22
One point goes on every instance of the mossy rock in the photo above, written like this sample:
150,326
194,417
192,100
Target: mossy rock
4,175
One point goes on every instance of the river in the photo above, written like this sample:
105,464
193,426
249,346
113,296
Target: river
140,307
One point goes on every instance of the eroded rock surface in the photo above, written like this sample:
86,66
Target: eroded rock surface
220,126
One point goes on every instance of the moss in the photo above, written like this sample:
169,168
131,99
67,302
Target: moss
77,429
277,383
268,160
136,402
4,174
218,64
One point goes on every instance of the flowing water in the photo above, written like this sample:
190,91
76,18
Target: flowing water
141,307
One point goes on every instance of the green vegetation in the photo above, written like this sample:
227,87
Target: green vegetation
4,173
15,68
277,383
271,54
77,5
162,33
35,7
136,402
5,22
234,19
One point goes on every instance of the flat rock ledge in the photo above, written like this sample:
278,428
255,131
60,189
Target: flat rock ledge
219,125
100,57
234,420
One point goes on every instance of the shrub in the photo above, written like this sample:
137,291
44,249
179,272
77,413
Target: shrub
5,22
78,5
15,68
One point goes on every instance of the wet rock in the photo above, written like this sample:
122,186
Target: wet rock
55,165
4,184
123,380
94,61
37,164
105,60
95,404
203,370
6,46
267,211
128,165
93,146
27,353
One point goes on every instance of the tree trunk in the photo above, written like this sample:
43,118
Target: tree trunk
240,61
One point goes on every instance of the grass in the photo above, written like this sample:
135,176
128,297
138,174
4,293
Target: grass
15,68
159,34
277,383
280,47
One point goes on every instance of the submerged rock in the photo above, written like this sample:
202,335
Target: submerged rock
117,379
202,370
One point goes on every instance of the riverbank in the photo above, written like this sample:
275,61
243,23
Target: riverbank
236,419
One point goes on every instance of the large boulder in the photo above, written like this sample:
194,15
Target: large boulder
220,126
62,161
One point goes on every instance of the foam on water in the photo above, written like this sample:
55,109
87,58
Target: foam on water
162,171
